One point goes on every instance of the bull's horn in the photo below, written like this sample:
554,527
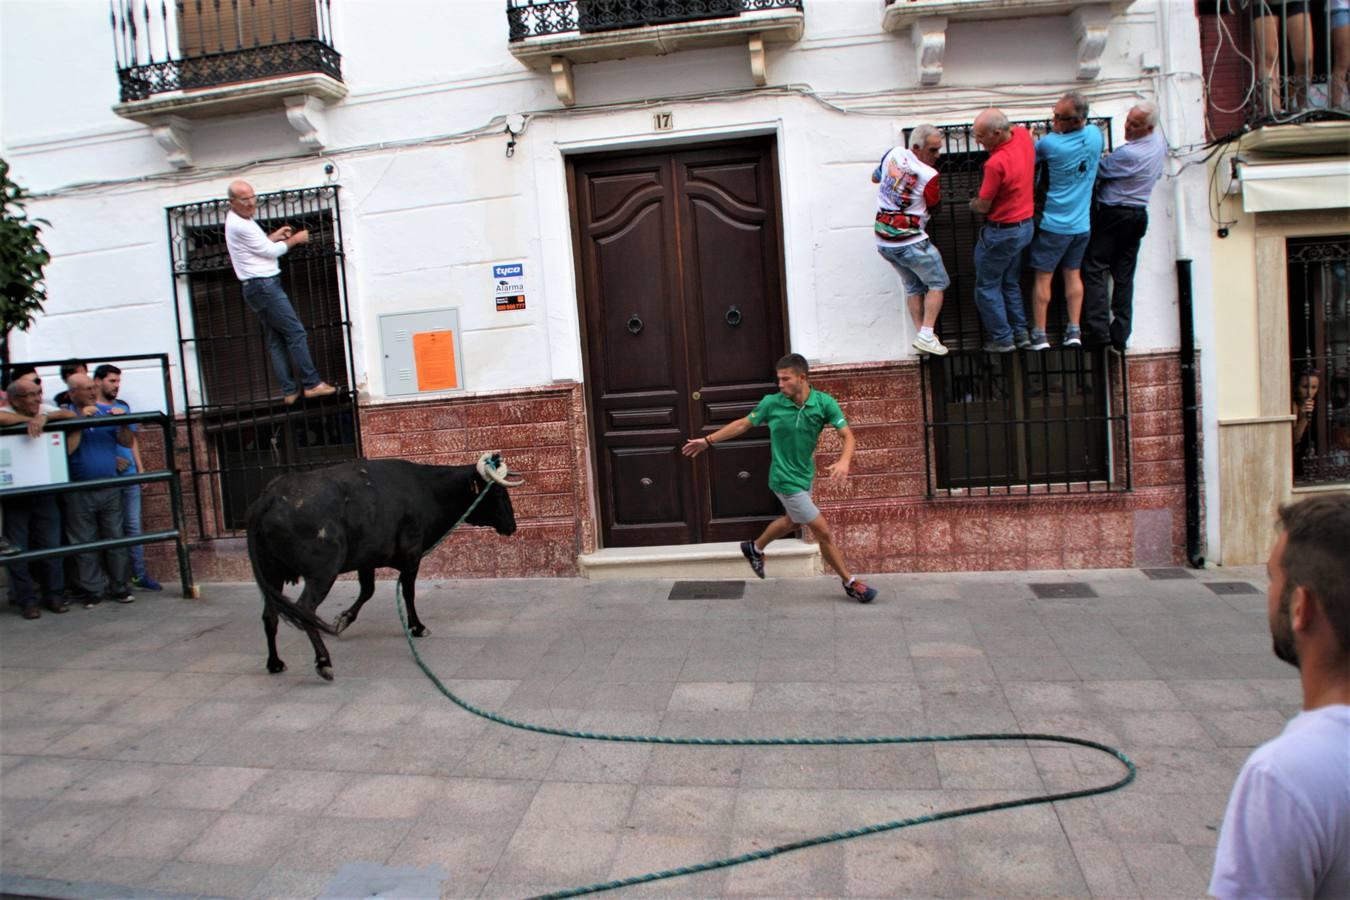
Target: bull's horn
497,472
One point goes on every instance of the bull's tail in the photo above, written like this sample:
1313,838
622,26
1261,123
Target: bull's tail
273,598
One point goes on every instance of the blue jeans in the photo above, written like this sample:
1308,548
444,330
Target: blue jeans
998,286
131,525
286,338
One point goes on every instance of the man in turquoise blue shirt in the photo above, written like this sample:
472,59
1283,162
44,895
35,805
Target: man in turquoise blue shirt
795,417
1070,155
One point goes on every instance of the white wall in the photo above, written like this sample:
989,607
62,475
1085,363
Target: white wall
425,221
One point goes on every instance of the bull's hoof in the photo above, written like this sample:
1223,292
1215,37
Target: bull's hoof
341,622
325,672
276,666
420,630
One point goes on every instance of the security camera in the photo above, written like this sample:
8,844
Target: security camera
328,168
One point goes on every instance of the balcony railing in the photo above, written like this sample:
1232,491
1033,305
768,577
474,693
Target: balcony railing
538,18
187,45
1293,69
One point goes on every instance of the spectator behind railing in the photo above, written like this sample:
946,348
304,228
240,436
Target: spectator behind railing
33,522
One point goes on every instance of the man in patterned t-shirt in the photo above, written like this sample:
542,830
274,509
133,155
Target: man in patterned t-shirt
795,416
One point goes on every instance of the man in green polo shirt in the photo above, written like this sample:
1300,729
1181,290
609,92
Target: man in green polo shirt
795,416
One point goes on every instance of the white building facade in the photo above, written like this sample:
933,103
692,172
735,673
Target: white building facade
579,247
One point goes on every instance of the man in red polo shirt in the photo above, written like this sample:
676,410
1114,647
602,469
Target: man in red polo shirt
1007,202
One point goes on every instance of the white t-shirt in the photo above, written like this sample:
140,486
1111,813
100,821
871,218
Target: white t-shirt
908,187
251,253
1287,829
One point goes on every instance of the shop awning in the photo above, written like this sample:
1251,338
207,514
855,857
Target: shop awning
1271,187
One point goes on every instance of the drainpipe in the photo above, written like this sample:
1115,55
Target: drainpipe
1190,407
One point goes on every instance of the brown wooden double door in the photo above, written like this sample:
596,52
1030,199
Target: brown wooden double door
681,278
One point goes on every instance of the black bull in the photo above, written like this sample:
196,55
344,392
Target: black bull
360,516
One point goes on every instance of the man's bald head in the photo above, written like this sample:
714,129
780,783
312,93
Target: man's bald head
24,396
992,128
83,391
243,201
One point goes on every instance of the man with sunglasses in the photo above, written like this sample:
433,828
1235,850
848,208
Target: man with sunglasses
908,193
1069,154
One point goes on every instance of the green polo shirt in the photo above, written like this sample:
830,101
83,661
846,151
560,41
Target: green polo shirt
793,433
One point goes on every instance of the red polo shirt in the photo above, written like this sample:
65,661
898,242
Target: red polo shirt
1008,179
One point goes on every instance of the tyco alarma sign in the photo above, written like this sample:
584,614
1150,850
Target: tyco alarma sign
26,461
508,286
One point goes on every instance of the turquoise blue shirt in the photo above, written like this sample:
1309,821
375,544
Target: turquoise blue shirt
1071,160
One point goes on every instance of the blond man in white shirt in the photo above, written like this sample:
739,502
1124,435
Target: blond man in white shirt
254,256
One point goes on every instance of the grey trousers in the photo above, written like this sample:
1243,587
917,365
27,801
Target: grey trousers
94,515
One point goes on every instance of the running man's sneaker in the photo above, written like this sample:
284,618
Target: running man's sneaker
1021,339
930,345
754,556
1038,340
860,592
1073,336
146,583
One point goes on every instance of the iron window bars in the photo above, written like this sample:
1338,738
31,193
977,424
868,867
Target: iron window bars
1054,421
233,404
1319,348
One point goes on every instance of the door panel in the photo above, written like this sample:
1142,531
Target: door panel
681,284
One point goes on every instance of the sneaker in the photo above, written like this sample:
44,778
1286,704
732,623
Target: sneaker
1073,336
996,347
8,549
930,345
1021,340
754,556
860,592
124,597
1038,340
146,583
91,601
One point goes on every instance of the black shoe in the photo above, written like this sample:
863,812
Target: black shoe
90,601
124,597
860,592
754,556
58,606
8,549
32,612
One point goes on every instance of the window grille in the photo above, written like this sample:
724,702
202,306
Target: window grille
1049,421
234,404
1319,355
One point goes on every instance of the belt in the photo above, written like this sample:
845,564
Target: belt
1007,224
259,278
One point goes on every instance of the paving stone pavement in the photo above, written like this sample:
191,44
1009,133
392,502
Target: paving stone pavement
147,752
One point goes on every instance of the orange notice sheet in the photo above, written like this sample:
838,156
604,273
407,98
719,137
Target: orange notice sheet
434,352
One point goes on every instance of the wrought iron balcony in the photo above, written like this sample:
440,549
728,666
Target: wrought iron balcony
536,18
179,60
554,34
1293,72
194,44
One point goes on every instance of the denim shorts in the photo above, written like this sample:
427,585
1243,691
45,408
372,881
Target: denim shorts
799,506
920,267
1050,251
1340,18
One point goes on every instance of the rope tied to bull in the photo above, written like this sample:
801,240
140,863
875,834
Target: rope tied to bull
766,853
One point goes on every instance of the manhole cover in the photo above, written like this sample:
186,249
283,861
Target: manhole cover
1062,590
707,590
1223,588
1173,574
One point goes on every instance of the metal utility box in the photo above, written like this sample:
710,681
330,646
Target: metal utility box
421,352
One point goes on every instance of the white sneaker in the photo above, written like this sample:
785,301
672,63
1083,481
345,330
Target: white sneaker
930,345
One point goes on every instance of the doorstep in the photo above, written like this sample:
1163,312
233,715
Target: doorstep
787,558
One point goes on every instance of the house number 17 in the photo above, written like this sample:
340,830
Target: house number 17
663,121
